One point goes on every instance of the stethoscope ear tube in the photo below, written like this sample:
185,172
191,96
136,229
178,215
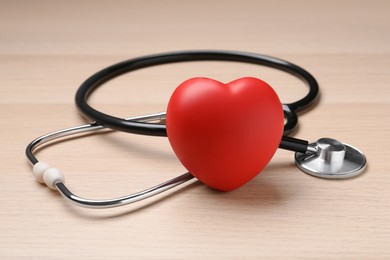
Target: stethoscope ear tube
354,163
55,179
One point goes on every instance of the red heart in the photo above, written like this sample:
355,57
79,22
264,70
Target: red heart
224,134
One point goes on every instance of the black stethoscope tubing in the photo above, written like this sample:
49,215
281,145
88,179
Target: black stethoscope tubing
326,158
108,121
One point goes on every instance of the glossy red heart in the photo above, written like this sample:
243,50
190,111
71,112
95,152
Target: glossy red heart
224,134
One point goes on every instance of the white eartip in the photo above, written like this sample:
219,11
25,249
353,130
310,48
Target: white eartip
38,169
52,176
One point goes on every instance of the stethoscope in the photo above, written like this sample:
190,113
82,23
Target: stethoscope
325,158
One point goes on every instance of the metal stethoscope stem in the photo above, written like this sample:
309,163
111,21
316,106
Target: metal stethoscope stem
104,203
332,153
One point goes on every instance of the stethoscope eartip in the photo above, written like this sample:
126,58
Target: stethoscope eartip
331,159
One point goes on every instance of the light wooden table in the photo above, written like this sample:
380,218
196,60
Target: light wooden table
47,49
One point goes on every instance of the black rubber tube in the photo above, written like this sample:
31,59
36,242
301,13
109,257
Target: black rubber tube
121,68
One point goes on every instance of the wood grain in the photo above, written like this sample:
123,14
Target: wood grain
47,49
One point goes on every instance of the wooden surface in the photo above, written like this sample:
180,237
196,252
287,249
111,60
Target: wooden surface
48,48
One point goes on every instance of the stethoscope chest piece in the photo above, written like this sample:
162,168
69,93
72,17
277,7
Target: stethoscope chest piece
331,159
